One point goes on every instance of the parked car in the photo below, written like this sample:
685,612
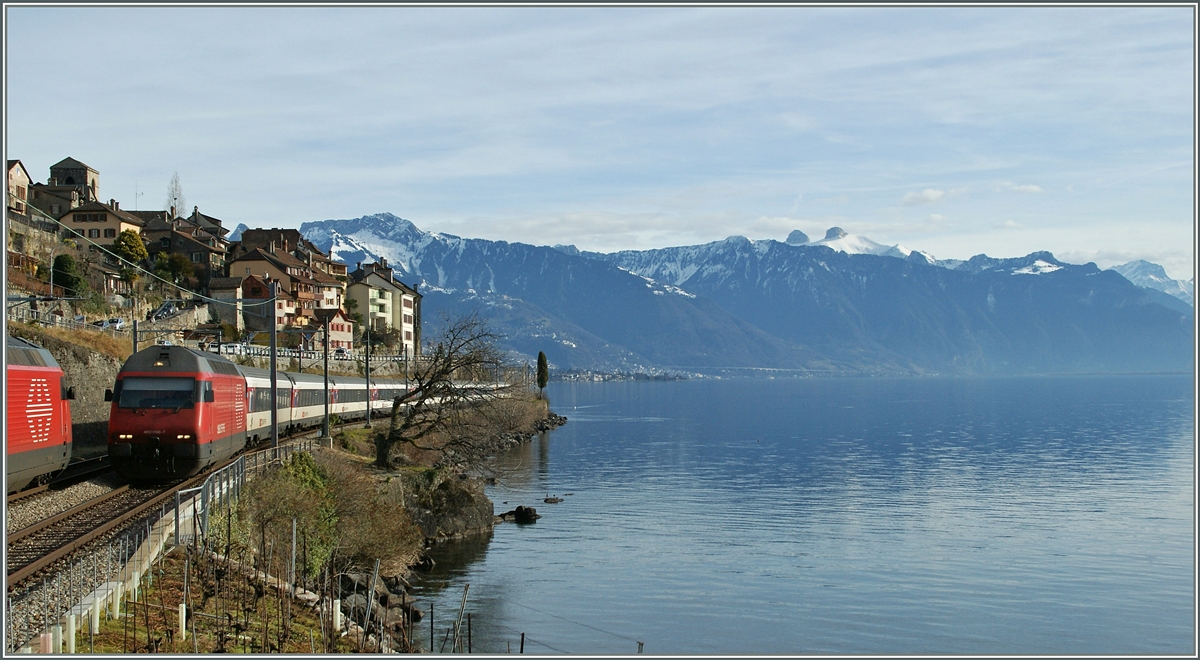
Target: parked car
115,324
234,348
340,353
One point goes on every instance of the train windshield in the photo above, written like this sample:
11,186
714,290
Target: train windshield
139,392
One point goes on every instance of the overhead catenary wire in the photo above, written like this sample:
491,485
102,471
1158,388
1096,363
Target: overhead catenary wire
563,618
130,264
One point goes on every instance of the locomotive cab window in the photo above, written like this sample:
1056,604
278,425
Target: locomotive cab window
139,392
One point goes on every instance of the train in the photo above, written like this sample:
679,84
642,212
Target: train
38,433
177,411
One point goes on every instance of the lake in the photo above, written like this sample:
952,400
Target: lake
841,516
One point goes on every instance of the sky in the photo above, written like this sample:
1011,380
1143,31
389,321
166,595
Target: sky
952,130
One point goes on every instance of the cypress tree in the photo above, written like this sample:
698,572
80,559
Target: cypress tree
543,373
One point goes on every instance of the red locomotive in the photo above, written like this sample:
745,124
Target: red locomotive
175,411
38,438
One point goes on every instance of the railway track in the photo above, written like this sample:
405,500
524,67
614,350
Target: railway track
72,474
38,547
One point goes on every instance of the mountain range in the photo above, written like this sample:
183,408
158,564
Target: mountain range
839,305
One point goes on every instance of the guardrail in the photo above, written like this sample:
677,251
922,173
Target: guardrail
26,315
122,564
227,483
264,351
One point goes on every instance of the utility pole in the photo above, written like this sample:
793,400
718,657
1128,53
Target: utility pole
367,361
274,373
325,315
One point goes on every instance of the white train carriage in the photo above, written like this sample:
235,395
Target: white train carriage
383,392
301,404
308,401
350,397
258,396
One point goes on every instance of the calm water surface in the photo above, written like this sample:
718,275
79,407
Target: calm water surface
975,516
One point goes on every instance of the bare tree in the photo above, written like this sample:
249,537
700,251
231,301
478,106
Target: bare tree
450,385
175,198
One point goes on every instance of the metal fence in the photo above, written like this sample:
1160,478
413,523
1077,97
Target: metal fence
95,584
25,315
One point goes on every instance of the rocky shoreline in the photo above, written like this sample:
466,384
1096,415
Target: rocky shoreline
448,501
465,459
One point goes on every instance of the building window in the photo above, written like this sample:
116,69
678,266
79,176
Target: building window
93,233
247,270
196,257
408,303
110,233
408,336
166,242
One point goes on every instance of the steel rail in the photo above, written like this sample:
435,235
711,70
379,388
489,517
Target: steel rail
29,492
16,576
73,473
73,511
65,549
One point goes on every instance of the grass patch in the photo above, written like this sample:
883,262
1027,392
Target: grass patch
97,342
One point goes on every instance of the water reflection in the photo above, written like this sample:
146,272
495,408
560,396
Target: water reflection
848,516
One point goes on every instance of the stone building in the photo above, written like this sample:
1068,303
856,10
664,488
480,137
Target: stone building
228,290
71,184
202,243
18,187
100,223
385,302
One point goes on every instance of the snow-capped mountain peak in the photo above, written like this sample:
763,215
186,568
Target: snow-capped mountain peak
1038,267
1153,276
842,241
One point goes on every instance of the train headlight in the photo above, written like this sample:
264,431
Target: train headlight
187,436
125,436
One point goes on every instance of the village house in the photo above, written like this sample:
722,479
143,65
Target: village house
385,302
329,275
256,307
341,333
204,248
71,184
100,223
292,274
228,290
18,187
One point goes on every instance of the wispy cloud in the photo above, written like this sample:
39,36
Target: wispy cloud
1027,188
625,126
927,196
